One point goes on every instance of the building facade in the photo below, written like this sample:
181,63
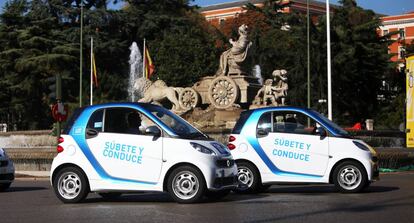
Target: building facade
219,13
404,24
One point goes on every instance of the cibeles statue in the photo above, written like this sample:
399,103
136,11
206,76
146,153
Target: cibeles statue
231,60
273,92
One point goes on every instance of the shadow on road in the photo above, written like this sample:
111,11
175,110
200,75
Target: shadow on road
379,189
323,189
165,198
344,207
20,189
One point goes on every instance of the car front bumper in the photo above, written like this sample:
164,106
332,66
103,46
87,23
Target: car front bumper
6,171
225,175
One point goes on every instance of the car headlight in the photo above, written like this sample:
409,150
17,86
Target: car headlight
3,153
221,148
202,149
361,146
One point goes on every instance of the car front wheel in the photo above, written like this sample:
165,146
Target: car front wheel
186,184
350,177
4,186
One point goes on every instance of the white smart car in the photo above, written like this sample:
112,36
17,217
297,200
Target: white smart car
6,171
297,145
127,147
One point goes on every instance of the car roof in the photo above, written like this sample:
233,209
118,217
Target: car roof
281,108
114,104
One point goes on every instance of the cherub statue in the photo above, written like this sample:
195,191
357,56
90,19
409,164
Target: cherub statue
268,92
280,77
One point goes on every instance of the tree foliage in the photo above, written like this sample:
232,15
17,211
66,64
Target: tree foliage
40,38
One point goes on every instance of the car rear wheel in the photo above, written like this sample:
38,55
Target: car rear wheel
186,184
249,179
350,177
71,185
4,186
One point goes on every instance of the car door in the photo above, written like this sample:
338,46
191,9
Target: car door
291,142
115,137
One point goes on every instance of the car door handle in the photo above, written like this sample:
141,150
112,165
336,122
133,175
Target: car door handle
262,133
90,133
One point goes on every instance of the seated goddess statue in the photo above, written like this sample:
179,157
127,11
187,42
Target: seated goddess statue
232,59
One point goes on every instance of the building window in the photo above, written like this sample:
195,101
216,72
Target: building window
402,33
222,21
385,32
401,52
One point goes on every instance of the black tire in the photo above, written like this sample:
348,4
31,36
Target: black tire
217,195
264,188
350,177
249,179
71,185
4,186
110,195
186,185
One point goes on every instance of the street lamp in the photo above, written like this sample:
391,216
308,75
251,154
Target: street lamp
328,43
81,56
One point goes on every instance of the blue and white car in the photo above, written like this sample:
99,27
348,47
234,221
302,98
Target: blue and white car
127,147
296,145
6,171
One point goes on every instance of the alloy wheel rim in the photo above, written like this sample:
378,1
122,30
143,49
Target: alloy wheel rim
349,177
185,185
69,185
245,177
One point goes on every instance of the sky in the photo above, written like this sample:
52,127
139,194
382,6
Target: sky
386,7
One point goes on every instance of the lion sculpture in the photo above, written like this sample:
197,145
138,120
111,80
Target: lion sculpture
157,92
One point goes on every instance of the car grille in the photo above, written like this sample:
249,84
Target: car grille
8,176
4,163
226,163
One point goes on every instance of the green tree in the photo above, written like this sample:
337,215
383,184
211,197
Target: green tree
360,60
34,53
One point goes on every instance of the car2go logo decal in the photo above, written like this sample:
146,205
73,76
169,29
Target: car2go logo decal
297,149
123,152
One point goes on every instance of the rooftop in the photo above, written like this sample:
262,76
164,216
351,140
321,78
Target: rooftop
240,3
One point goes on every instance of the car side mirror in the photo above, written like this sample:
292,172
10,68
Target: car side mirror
322,132
262,133
153,131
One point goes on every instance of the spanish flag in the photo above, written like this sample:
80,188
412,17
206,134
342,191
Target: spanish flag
95,74
149,66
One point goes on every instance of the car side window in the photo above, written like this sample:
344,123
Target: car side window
126,121
96,121
294,122
265,123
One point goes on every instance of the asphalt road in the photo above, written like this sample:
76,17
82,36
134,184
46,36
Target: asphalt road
389,200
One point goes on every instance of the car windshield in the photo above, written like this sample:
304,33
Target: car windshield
331,124
180,127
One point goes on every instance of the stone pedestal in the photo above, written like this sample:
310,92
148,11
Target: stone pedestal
213,118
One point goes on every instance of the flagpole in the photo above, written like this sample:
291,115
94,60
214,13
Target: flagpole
91,71
143,61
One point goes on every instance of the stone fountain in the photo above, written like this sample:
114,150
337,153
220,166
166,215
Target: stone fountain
217,100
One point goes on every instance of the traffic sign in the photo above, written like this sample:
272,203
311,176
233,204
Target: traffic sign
60,112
